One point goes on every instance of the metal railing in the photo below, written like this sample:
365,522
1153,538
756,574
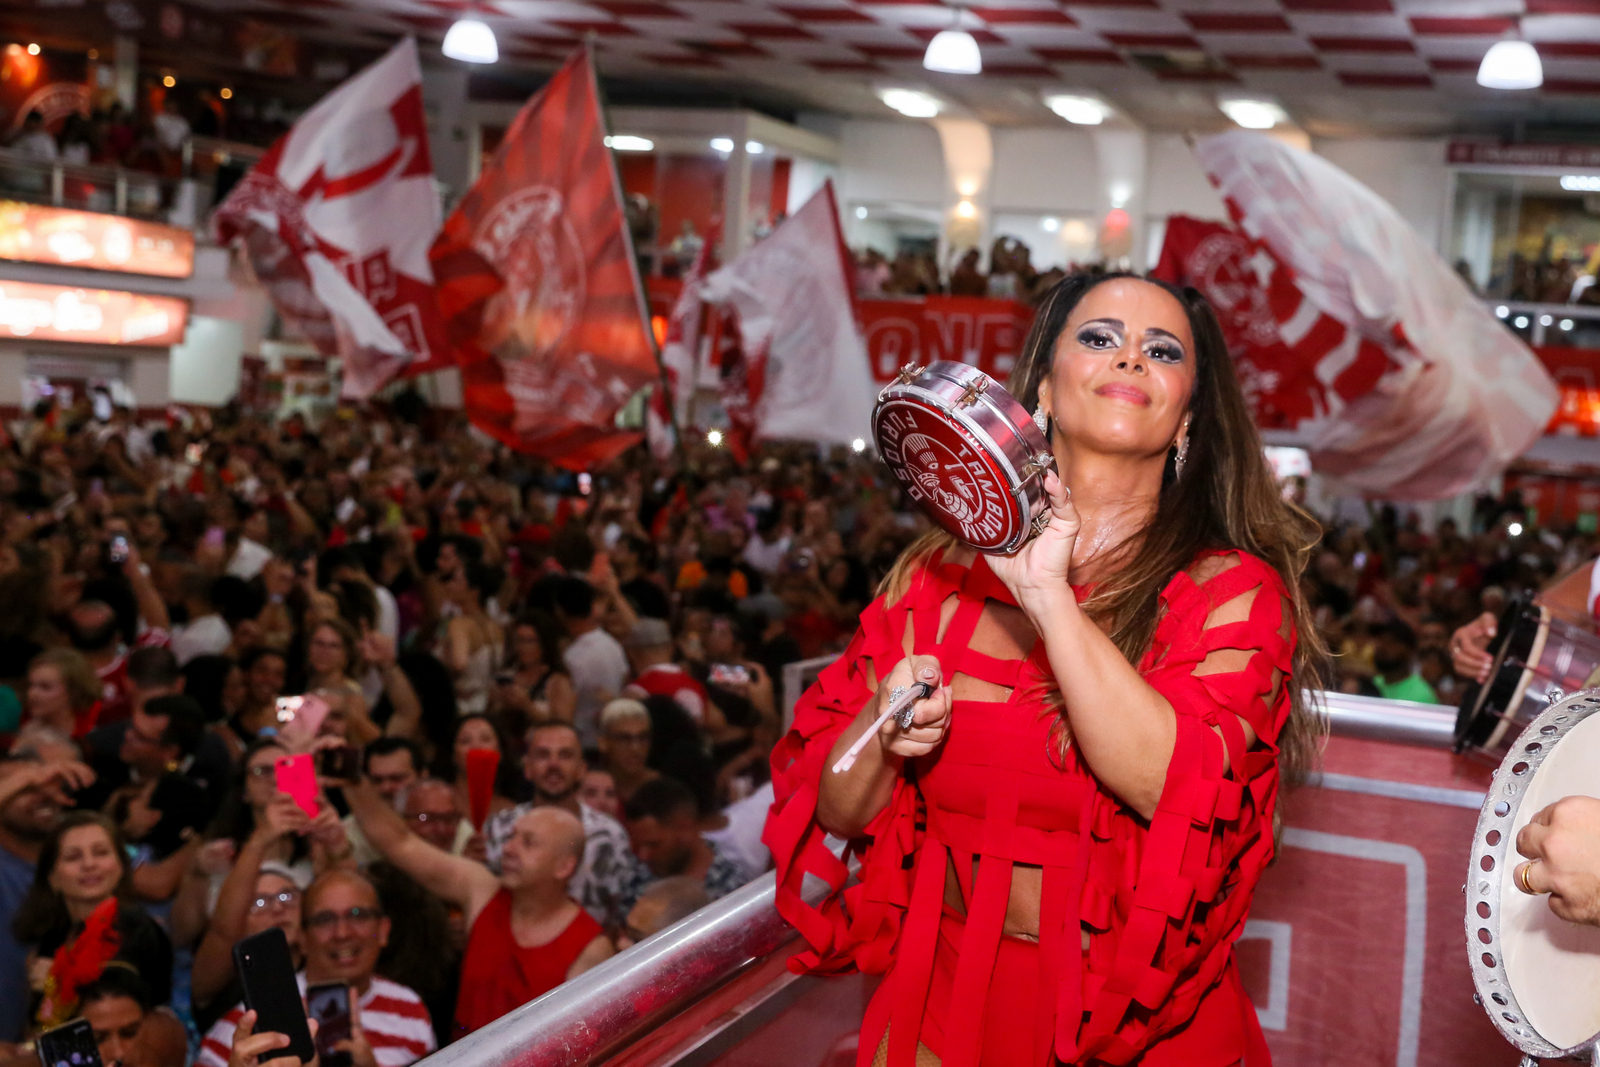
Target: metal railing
182,201
592,1018
1567,325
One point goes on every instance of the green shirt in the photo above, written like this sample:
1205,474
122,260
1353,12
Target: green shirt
1409,688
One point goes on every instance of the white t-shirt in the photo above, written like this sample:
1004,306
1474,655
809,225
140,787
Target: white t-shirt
206,636
248,559
740,840
599,669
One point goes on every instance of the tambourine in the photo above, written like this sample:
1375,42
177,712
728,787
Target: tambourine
966,452
1537,975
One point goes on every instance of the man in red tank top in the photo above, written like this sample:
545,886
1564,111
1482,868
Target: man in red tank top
526,934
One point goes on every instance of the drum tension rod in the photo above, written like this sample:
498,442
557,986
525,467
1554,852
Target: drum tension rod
907,374
1037,465
969,395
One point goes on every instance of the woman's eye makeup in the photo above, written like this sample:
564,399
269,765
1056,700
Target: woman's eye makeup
1165,351
1099,337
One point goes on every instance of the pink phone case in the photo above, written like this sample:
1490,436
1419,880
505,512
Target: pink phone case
297,776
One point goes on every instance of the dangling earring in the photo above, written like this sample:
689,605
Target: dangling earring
1177,461
1042,420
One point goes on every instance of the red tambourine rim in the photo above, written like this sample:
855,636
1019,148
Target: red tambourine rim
984,453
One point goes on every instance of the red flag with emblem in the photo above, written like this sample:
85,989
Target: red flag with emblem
538,286
336,220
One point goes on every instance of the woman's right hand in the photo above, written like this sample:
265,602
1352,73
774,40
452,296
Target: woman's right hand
931,717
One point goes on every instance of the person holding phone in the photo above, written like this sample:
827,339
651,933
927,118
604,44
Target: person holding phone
345,929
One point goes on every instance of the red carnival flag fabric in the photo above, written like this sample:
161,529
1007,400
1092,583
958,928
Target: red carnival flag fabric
538,286
336,220
801,373
1398,379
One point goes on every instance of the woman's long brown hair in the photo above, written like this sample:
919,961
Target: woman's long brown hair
1226,499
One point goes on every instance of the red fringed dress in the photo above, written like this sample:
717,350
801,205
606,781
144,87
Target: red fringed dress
1159,903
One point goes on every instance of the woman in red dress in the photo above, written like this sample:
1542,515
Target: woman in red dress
1059,852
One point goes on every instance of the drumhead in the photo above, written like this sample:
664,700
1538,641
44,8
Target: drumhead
965,452
1538,976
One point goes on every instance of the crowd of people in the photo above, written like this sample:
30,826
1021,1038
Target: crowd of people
1010,275
541,706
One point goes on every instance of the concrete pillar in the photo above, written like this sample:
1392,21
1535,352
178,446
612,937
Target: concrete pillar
1121,161
126,64
450,140
736,235
968,165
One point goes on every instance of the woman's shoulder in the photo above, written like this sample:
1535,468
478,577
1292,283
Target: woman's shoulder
1218,575
1244,567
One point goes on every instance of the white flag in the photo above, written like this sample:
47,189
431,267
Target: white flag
337,219
806,363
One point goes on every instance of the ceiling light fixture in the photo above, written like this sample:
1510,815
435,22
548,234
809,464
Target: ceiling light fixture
1078,110
722,144
626,142
953,51
1253,114
861,212
1581,183
1511,65
471,41
1050,224
33,49
912,103
755,148
967,210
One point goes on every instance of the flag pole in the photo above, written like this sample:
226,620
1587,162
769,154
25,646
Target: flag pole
662,382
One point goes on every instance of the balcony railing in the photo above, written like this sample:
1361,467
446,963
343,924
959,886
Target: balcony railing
1562,325
181,200
688,994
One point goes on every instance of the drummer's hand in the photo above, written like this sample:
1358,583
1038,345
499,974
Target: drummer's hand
1038,573
930,718
1562,844
1469,648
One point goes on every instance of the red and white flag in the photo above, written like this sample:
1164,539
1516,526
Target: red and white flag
668,412
1348,329
337,218
802,369
538,286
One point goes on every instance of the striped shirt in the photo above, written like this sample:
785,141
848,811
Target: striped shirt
393,1018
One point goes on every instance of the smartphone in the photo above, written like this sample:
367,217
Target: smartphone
299,719
330,1006
729,674
343,763
266,971
296,776
119,549
71,1045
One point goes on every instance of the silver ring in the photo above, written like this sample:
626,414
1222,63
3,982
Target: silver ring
904,716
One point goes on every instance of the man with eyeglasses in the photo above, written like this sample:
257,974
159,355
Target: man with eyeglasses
393,766
344,931
430,809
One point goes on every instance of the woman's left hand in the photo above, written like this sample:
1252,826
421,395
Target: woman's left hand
1040,570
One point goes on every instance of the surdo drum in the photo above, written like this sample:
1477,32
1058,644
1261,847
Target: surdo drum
1538,976
1538,655
966,452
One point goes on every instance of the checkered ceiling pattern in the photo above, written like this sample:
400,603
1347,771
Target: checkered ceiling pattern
1394,63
